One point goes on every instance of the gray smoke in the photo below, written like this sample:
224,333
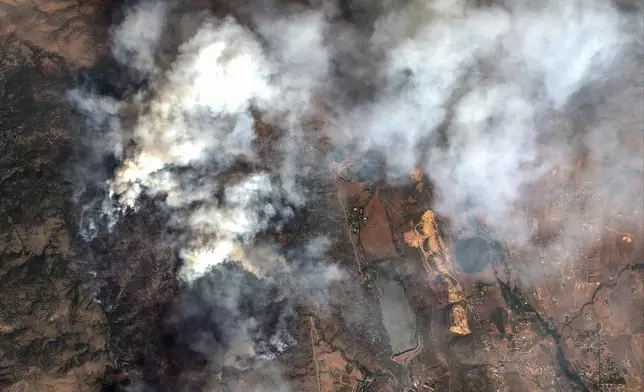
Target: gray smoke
187,139
496,103
490,101
196,115
478,96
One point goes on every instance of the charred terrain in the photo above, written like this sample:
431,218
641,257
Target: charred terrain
344,268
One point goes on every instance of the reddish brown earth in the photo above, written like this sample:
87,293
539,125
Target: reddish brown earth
71,29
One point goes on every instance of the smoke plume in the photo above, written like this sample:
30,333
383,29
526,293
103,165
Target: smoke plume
193,123
488,99
481,97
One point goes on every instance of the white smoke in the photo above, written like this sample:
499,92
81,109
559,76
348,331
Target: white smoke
483,98
197,115
477,96
136,38
471,95
200,107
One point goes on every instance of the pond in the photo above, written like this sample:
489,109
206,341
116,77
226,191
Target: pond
474,254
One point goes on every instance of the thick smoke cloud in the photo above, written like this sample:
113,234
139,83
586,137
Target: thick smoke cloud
478,96
136,39
489,100
186,137
194,122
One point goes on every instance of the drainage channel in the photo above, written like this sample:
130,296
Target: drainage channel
517,302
